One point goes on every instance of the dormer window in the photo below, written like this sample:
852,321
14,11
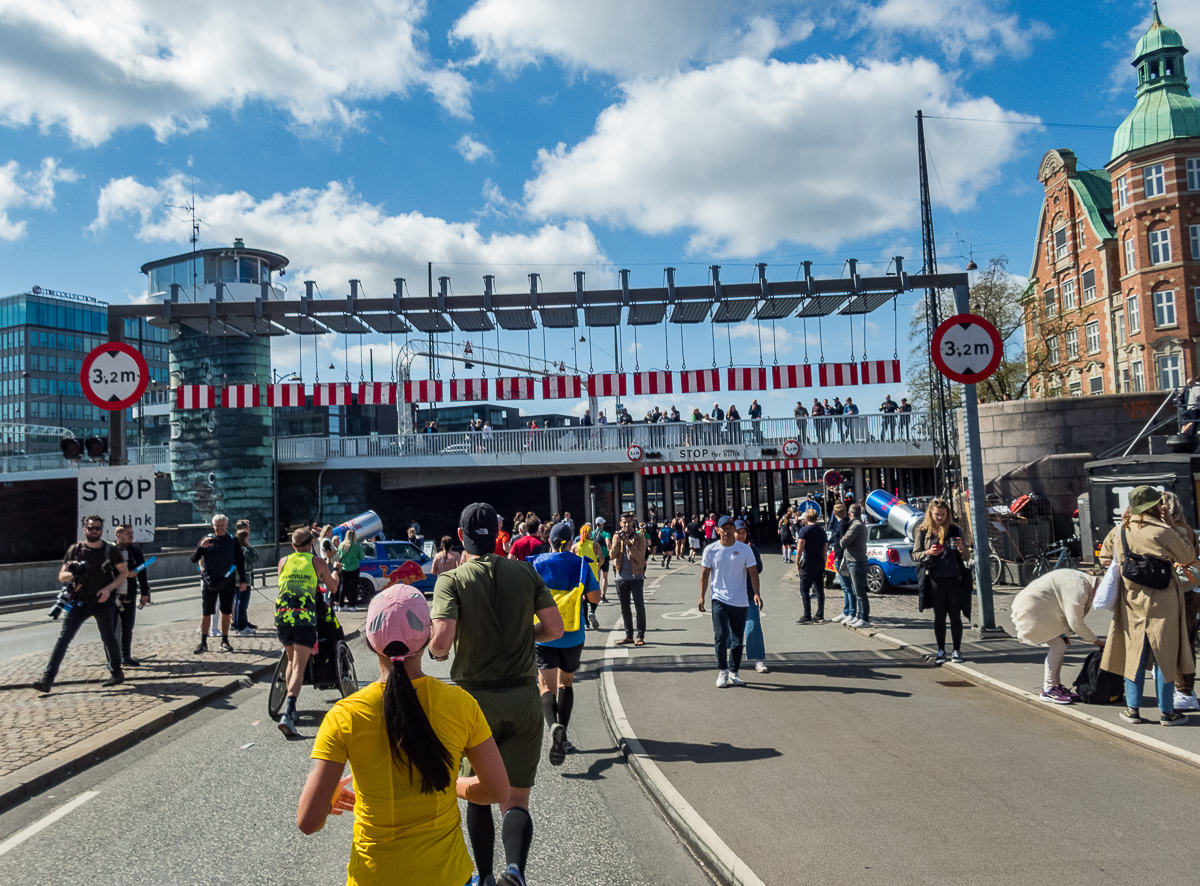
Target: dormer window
1169,67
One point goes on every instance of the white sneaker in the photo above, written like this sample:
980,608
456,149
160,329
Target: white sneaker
839,618
761,667
735,680
247,632
863,623
722,679
854,622
215,632
1186,702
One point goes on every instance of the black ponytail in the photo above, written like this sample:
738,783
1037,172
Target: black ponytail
411,735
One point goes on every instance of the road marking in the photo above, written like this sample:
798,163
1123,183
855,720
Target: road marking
687,613
612,652
38,826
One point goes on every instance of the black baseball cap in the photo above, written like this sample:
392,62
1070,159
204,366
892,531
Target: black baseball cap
560,535
479,523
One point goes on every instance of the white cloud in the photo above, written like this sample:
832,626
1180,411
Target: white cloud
34,190
957,26
94,67
628,38
472,150
1182,15
746,154
332,235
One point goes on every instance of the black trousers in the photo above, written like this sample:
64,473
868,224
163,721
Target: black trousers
631,592
123,620
348,586
944,595
812,584
71,623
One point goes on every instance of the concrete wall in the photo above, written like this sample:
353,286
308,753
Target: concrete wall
33,578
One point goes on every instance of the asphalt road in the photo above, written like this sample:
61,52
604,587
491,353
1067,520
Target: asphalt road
193,805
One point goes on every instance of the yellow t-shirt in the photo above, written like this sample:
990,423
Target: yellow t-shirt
401,835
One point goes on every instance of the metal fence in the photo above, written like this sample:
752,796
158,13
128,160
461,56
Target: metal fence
859,433
54,461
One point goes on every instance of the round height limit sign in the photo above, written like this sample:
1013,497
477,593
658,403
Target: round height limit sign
966,348
114,376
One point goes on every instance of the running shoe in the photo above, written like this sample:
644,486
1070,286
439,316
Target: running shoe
558,734
1074,696
735,680
940,658
214,632
225,645
863,623
818,619
804,620
593,622
287,725
510,876
854,622
568,747
1172,719
246,632
839,618
201,648
761,667
1054,696
1131,715
722,679
956,657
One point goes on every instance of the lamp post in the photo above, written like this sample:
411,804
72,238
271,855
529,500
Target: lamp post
275,379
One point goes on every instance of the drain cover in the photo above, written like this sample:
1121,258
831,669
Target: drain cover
955,684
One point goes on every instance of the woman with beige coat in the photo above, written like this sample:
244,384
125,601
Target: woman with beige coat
1185,685
1047,612
1147,623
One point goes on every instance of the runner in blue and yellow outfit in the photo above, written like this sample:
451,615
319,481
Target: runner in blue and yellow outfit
590,550
569,578
297,610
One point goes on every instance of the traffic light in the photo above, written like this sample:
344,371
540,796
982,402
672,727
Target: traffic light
71,448
97,447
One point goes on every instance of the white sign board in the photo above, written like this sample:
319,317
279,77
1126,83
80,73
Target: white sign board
122,495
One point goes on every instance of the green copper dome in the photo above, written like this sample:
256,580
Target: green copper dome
1165,108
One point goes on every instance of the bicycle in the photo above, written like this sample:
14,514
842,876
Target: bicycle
1062,554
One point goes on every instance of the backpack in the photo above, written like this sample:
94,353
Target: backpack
1096,686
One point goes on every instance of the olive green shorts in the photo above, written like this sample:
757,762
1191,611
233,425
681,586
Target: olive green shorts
515,718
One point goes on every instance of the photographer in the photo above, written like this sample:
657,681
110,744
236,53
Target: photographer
629,562
126,610
220,555
93,568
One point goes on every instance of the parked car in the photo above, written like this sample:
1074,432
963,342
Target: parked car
387,562
889,558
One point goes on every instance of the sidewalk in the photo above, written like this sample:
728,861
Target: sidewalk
44,738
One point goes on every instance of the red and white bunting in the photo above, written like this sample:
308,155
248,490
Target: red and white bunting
607,384
514,389
745,378
239,396
791,464
562,387
653,383
195,397
880,372
376,393
285,395
334,394
468,389
699,381
797,375
424,391
834,375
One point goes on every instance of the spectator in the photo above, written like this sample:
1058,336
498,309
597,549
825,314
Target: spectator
889,408
851,409
628,550
811,542
1048,611
905,417
447,559
801,416
1185,686
943,581
838,409
586,421
730,566
820,422
350,554
241,600
503,539
127,602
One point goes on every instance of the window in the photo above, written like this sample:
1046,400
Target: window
1194,237
1091,334
1071,337
1096,385
1125,383
1193,174
1164,308
1168,372
1134,312
1068,295
1089,286
1154,181
1076,388
1119,325
1051,303
1139,377
1080,237
1160,247
1052,349
1060,243
1130,256
1196,300
1122,192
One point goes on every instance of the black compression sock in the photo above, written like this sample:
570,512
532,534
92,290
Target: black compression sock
482,832
516,833
549,709
566,702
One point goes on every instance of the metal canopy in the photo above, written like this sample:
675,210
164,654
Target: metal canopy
300,324
559,318
429,322
603,315
344,323
865,304
646,313
255,326
690,312
472,321
389,323
777,308
735,310
822,305
212,327
515,321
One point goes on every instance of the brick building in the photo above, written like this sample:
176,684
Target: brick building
1114,299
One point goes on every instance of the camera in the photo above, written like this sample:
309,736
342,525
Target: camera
76,567
64,602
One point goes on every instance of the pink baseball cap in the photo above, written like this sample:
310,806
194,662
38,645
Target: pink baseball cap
398,622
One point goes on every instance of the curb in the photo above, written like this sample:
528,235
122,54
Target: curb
1127,735
61,765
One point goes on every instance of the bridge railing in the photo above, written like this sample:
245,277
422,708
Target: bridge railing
857,432
54,461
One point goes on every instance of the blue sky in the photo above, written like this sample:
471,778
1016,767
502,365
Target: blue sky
516,136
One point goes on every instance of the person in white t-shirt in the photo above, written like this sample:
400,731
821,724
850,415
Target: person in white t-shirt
730,567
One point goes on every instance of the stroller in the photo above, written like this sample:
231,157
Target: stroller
331,666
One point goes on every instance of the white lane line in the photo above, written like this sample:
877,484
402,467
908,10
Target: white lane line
41,824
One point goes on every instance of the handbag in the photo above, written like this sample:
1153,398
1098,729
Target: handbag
1109,589
1142,569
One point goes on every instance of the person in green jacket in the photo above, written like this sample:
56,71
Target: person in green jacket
350,552
296,615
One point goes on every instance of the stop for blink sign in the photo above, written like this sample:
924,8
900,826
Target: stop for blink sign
122,495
